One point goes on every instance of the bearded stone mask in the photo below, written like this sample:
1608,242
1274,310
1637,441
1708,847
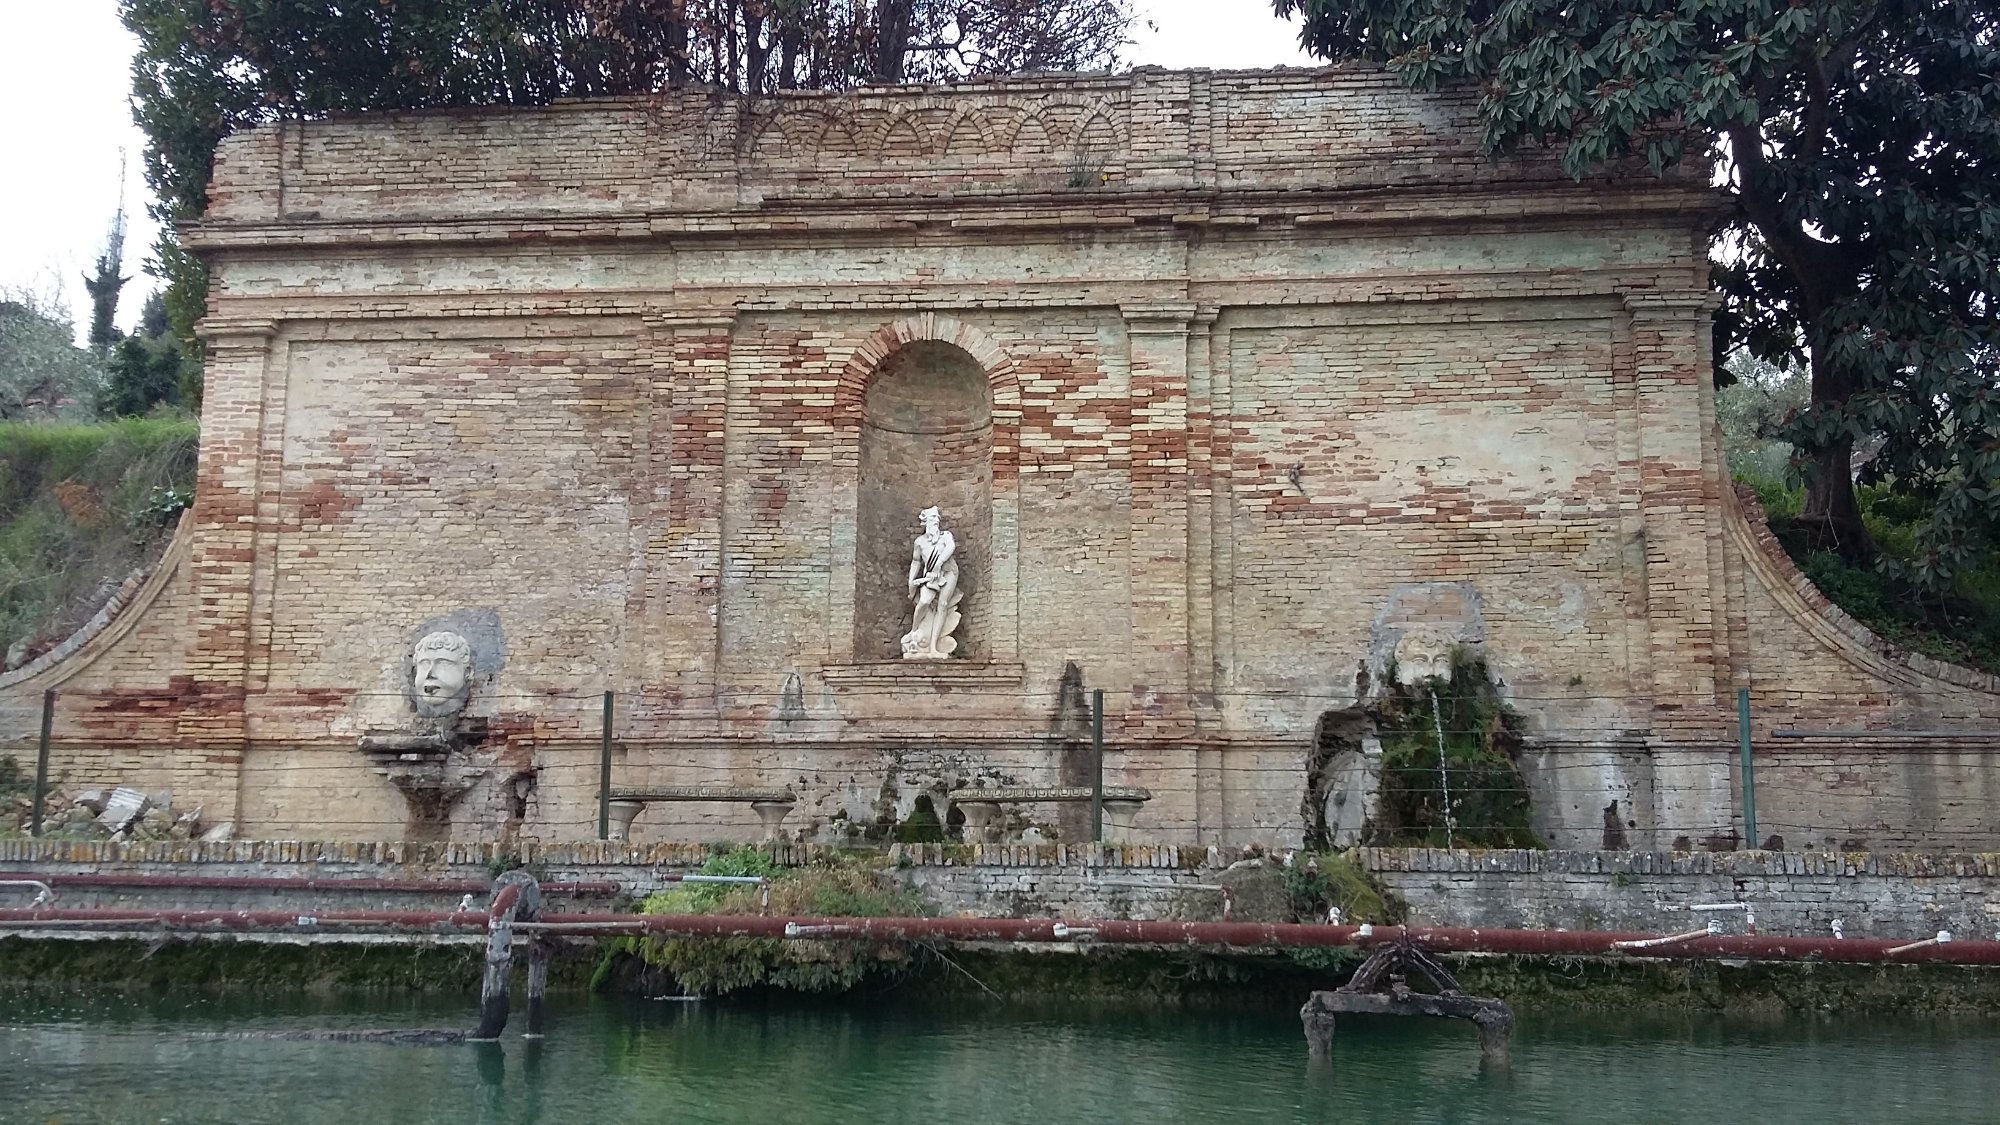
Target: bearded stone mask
1424,653
441,674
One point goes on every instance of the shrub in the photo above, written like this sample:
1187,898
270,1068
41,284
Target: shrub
1463,727
1317,880
835,889
81,506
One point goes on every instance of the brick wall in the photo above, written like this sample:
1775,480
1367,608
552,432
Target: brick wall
1873,894
1277,364
1879,894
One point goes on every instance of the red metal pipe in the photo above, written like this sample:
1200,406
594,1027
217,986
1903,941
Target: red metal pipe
270,883
503,903
1242,935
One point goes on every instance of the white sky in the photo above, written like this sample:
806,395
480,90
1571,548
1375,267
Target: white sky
65,115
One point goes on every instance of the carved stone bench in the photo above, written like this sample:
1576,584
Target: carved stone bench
770,805
981,807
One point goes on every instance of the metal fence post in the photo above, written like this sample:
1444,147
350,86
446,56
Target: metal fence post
1749,771
1097,765
42,763
604,776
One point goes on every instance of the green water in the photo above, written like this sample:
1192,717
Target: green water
75,1057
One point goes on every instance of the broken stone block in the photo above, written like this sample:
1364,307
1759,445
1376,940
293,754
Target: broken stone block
121,808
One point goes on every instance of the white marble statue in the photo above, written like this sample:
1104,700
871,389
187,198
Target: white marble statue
934,590
441,672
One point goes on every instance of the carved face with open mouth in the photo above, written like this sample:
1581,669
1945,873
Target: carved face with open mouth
441,670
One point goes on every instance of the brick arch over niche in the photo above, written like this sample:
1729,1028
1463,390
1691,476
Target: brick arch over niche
928,411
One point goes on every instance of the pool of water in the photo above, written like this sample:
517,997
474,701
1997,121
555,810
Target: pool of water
78,1057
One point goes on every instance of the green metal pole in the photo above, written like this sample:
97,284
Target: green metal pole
1097,765
42,763
604,776
1749,772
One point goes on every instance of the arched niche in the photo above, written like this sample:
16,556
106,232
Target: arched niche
926,438
991,617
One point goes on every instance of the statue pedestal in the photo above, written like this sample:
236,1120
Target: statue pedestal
917,673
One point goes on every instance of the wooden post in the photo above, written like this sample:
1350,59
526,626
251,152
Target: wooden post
538,984
42,763
1097,765
516,898
604,775
1318,1020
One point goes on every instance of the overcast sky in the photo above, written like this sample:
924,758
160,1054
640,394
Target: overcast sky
65,116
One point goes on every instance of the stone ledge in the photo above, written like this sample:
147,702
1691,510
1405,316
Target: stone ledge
919,673
1520,861
569,857
1013,794
703,793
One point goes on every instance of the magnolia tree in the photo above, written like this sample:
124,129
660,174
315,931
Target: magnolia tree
1860,140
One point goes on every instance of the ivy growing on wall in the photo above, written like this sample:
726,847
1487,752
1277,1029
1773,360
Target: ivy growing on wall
1464,722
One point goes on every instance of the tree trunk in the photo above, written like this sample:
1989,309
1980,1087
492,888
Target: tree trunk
1831,516
892,38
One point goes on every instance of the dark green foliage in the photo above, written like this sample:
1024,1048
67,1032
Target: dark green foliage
1862,144
141,375
922,826
81,506
711,966
1958,621
207,68
1317,880
1481,739
148,369
237,967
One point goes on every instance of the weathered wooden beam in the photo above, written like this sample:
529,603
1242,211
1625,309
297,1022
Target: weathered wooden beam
516,897
1493,1018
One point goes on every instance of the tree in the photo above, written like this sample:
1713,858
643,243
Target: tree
147,368
1860,140
43,374
104,282
208,67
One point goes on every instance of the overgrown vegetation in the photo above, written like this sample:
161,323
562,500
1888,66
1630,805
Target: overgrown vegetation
844,888
1464,722
1317,881
1958,621
43,374
17,790
81,506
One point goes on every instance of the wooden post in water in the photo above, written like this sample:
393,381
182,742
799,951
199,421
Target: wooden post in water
538,984
516,898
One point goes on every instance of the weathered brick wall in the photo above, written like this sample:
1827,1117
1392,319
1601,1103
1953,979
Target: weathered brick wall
1277,364
1879,894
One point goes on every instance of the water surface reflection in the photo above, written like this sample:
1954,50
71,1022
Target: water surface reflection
75,1058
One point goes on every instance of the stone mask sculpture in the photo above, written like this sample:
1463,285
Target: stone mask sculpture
441,674
934,592
1424,653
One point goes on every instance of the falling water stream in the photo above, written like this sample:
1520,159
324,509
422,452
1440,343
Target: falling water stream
1444,773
